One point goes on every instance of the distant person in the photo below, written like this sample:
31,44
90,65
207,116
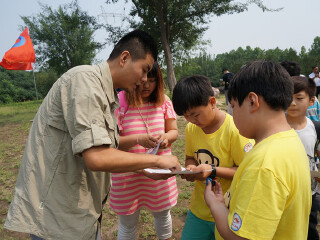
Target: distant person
145,117
270,194
294,69
304,94
212,144
64,177
226,79
315,77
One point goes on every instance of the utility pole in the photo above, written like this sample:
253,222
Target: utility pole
106,15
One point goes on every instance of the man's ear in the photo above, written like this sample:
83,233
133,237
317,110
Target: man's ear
124,57
254,104
312,101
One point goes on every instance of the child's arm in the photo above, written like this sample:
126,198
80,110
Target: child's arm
226,172
191,165
171,133
219,211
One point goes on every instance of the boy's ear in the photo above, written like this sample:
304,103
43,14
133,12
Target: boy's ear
125,55
312,101
212,101
254,104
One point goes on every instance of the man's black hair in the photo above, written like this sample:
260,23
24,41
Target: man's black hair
138,43
292,67
265,78
314,66
304,84
190,92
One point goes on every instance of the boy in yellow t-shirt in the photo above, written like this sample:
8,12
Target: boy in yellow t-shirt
270,195
213,145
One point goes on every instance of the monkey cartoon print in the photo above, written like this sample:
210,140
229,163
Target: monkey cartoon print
204,156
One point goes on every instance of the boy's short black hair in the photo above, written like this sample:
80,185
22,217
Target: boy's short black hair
191,91
304,84
138,43
265,78
292,67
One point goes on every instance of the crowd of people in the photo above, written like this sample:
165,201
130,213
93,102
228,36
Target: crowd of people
255,169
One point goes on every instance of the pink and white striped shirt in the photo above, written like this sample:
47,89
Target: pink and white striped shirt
132,191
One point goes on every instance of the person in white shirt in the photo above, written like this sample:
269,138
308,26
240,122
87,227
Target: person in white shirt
315,77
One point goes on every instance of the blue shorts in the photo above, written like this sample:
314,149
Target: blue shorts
196,228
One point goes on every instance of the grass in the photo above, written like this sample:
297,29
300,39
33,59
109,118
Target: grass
14,127
15,122
18,112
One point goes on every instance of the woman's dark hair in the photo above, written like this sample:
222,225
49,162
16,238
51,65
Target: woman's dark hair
190,92
265,78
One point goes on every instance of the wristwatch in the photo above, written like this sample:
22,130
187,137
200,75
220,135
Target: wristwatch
213,172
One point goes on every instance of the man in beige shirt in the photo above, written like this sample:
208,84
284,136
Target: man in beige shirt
64,176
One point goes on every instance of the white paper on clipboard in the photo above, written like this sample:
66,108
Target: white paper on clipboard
167,171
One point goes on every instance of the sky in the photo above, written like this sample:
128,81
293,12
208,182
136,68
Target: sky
296,25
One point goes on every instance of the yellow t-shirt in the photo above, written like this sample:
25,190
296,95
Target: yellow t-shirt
225,147
270,192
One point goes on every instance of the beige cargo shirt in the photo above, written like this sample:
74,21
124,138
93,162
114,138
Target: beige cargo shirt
56,195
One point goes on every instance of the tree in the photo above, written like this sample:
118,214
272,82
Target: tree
315,47
178,25
63,38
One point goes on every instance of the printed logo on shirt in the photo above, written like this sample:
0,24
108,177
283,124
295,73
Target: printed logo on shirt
248,147
204,156
236,222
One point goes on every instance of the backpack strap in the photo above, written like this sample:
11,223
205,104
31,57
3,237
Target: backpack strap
317,127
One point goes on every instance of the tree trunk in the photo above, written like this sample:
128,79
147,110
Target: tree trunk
170,70
164,38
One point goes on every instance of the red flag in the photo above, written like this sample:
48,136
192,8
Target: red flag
21,55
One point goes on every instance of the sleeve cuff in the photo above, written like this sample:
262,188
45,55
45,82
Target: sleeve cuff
96,136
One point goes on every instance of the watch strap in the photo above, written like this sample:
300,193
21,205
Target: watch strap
213,172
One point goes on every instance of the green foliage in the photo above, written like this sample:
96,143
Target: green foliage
18,86
177,25
63,38
315,48
182,23
211,66
44,81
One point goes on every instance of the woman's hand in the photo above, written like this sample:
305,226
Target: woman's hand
147,141
164,139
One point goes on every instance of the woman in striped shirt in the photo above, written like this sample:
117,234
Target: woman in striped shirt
145,118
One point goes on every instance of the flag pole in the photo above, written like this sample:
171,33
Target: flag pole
35,85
